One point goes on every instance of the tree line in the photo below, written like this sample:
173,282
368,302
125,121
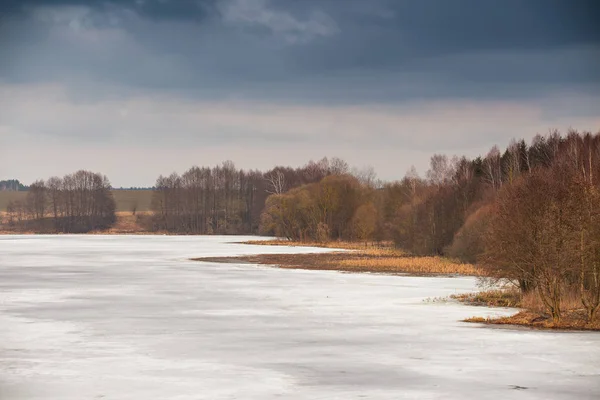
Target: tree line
77,203
224,199
12,185
338,207
544,228
530,214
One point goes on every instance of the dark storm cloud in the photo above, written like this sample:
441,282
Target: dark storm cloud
165,84
467,24
327,50
435,25
155,9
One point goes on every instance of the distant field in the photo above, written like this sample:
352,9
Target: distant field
125,199
128,199
7,197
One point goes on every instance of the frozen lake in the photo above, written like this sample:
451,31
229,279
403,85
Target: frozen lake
129,317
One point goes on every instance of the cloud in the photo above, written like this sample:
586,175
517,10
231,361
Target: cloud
194,10
210,61
382,82
388,51
169,133
280,23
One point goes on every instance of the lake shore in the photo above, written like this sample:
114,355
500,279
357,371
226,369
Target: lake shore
571,321
354,257
135,311
384,259
530,313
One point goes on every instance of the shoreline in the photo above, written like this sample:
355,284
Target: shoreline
267,260
353,257
357,261
535,321
525,317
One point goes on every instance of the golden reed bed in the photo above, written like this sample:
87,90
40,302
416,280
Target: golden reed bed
379,258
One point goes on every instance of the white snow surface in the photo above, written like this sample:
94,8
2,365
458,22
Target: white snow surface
131,317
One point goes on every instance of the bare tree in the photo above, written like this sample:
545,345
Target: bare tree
492,168
276,182
337,166
366,175
440,171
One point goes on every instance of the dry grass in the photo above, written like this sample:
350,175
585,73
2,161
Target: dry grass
512,297
330,245
533,314
127,200
380,258
7,196
126,224
571,320
492,298
414,265
571,301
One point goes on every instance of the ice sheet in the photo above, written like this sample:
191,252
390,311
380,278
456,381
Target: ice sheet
130,317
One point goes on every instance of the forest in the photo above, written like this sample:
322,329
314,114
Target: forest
529,213
12,185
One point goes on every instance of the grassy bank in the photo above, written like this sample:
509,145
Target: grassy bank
378,258
571,320
532,313
384,258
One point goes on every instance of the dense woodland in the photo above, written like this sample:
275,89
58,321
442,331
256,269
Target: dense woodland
226,200
530,213
12,185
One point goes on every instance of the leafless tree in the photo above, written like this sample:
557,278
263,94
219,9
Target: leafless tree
276,182
440,171
492,168
366,175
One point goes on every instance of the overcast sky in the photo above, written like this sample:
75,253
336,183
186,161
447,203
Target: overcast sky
138,88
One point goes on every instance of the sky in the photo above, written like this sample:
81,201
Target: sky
139,88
